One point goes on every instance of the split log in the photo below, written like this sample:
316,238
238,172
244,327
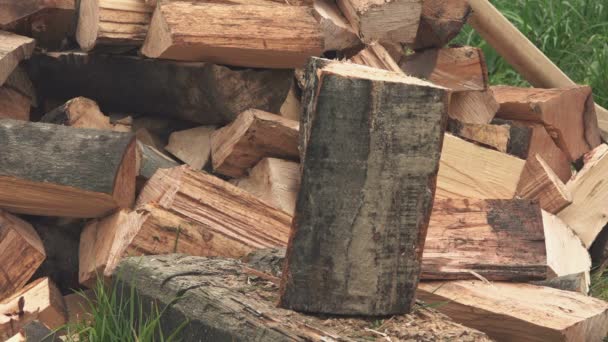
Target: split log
204,93
476,107
40,300
376,56
64,171
21,252
80,113
192,146
538,182
221,295
220,33
292,107
383,206
145,137
337,32
149,159
501,136
112,22
574,282
13,11
459,68
441,22
520,312
378,20
588,214
471,171
183,211
499,240
13,49
566,253
254,135
275,181
567,113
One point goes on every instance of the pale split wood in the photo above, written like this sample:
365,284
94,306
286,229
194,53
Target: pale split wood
337,31
13,49
496,136
376,56
519,312
588,214
476,107
235,34
377,20
538,182
21,252
275,181
192,146
292,107
254,134
39,300
471,171
81,112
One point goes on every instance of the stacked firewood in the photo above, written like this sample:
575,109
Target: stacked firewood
348,131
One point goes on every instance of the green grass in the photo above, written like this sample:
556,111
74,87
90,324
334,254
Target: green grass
116,318
572,33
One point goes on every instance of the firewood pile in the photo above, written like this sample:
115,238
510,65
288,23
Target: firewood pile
349,132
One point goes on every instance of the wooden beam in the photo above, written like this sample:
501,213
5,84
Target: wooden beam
539,183
337,32
192,146
458,68
441,21
275,181
219,33
13,49
566,113
471,171
254,134
112,22
64,171
475,107
21,252
521,53
40,300
519,312
497,239
377,20
340,258
203,93
588,214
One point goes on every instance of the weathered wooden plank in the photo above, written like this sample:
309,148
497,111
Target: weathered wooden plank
369,169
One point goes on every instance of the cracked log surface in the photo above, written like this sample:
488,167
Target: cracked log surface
226,300
370,164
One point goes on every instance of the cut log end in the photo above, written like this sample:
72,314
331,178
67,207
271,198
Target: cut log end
88,24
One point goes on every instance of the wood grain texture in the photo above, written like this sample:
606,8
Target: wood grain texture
254,135
220,294
192,146
13,49
112,22
150,159
292,107
13,11
567,113
476,107
369,170
40,300
520,312
441,21
21,252
338,33
588,214
471,171
376,56
204,93
263,36
458,68
377,20
496,136
13,104
500,240
81,112
539,183
55,170
573,282
275,181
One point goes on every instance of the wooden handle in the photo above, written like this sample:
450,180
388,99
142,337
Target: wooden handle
520,53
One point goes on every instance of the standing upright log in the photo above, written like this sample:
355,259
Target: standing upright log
370,163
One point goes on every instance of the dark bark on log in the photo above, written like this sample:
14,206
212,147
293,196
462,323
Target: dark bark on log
55,170
199,92
151,159
362,215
